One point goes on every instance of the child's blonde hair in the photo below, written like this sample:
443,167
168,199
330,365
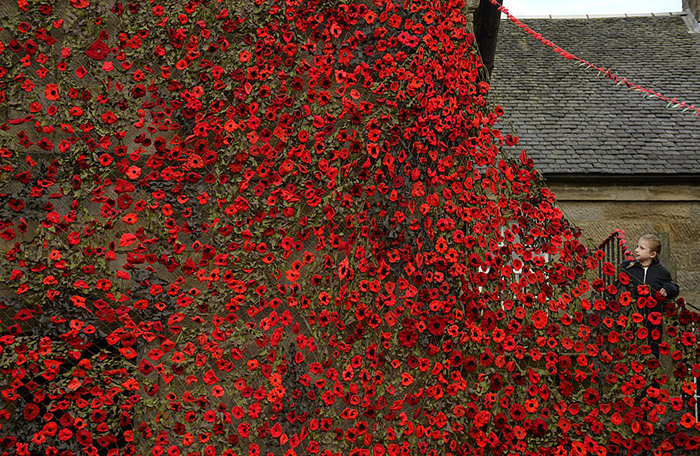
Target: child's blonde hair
654,245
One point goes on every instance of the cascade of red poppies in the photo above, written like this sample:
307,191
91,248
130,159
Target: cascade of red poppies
293,227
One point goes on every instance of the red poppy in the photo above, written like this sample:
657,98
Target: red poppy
687,421
109,117
65,434
51,92
31,411
123,186
98,50
539,319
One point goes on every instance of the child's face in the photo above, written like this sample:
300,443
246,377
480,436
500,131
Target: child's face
644,253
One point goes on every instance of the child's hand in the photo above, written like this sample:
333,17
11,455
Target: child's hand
662,292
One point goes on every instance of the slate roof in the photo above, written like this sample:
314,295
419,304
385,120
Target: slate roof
573,122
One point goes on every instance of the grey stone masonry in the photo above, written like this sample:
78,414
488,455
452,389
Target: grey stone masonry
693,6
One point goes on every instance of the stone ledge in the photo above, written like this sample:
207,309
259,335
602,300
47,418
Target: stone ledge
680,193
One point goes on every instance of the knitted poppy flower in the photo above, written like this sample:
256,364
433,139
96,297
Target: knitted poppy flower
98,50
31,411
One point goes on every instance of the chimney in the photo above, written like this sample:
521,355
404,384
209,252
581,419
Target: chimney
693,6
487,19
692,10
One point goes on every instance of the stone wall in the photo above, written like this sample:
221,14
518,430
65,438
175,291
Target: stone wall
670,211
692,5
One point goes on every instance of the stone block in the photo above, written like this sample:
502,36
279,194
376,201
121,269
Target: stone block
567,192
686,256
693,257
597,230
685,232
695,212
689,283
581,211
635,193
655,193
653,212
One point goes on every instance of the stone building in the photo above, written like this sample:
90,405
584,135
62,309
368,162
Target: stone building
614,159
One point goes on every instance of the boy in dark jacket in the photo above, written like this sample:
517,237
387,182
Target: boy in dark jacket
647,271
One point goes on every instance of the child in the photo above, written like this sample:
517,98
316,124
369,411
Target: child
646,270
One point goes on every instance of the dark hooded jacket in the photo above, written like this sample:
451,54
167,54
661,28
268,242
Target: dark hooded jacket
656,276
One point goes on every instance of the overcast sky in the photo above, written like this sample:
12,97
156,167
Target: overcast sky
570,7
